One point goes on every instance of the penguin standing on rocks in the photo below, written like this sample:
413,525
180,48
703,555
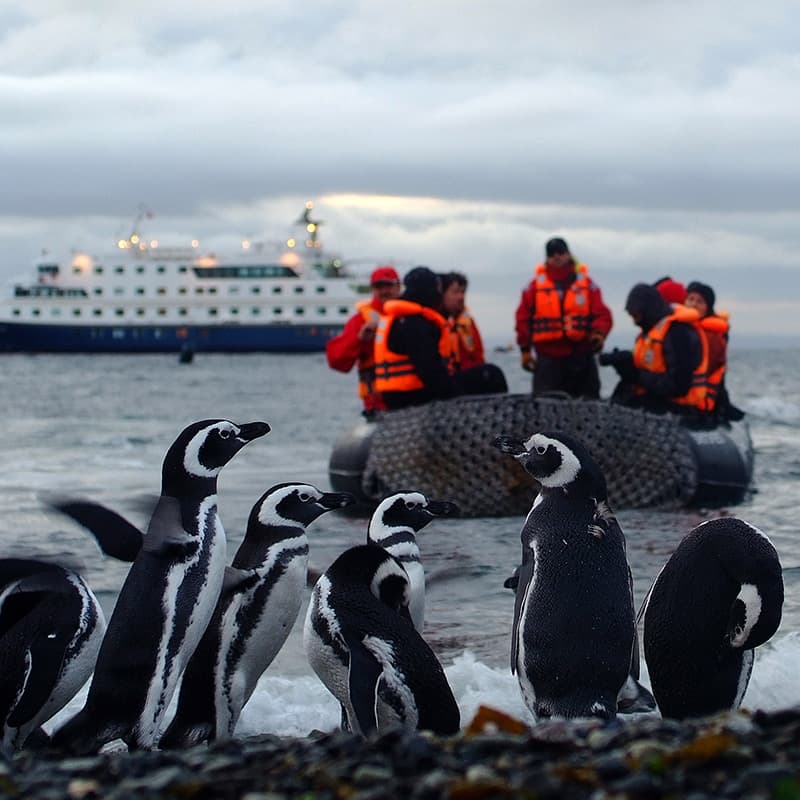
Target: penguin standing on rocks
393,526
574,625
168,597
360,641
51,626
718,597
252,623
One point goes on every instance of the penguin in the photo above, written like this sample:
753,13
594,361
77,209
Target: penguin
574,627
393,525
167,598
251,624
717,598
51,626
361,643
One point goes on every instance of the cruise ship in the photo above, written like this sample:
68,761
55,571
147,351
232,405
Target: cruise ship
147,299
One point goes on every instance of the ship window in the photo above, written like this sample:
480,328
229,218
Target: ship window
299,311
119,312
298,290
183,269
98,270
76,312
140,290
16,312
212,289
161,290
212,312
162,312
277,289
139,312
233,290
182,290
35,312
255,289
98,290
320,290
55,312
322,310
119,270
119,290
98,312
277,311
182,312
140,270
255,311
199,290
234,311
161,269
76,270
344,310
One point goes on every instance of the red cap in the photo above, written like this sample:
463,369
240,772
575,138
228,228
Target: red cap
388,274
671,291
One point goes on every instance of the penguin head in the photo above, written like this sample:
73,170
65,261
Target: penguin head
379,571
296,504
408,510
203,448
556,460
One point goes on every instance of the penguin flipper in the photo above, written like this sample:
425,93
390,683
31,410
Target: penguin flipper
238,580
166,535
363,676
116,536
46,659
524,579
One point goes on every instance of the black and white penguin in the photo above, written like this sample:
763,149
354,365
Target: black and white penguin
393,525
251,623
718,597
361,643
574,626
168,597
51,626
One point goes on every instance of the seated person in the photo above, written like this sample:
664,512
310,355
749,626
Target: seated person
667,369
672,291
412,349
466,345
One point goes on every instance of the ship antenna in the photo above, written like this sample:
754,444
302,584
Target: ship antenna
312,226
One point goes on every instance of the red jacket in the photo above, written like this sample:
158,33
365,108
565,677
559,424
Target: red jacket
346,349
467,346
599,312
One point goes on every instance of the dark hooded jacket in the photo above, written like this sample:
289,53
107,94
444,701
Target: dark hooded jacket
682,349
418,338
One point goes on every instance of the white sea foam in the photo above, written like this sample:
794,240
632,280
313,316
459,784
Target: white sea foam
774,409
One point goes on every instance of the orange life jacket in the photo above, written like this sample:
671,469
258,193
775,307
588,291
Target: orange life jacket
366,357
716,327
555,317
394,372
462,340
648,355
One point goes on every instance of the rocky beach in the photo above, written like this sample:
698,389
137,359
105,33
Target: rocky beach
727,756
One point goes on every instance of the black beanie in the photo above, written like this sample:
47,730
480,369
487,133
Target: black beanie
422,286
555,247
705,291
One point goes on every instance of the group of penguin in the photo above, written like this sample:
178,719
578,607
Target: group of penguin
184,617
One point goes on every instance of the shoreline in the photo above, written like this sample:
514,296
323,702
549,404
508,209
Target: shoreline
735,754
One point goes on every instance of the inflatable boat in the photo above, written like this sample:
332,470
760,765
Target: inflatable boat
444,449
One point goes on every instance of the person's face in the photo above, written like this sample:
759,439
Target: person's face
453,299
559,260
697,301
385,290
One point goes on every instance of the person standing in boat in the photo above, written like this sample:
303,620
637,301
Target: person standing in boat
667,370
561,322
355,344
413,349
466,346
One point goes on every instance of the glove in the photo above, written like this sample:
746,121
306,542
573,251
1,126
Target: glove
596,341
528,361
615,357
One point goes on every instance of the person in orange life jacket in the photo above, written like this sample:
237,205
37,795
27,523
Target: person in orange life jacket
412,349
466,344
355,344
562,316
672,291
657,387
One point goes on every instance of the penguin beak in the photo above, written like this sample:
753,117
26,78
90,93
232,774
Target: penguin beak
442,508
331,500
508,444
252,430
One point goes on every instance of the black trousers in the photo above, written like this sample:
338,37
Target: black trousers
576,375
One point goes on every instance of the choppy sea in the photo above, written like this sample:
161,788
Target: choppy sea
98,427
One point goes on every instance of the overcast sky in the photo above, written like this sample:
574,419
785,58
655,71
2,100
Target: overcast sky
655,137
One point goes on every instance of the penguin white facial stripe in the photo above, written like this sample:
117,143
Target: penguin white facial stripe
751,599
191,459
570,465
388,568
268,514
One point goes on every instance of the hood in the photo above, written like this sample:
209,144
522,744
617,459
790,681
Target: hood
422,286
647,304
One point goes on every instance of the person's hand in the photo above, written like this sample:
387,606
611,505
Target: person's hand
596,341
367,332
528,361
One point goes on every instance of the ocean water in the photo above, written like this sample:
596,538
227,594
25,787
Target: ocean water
98,427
